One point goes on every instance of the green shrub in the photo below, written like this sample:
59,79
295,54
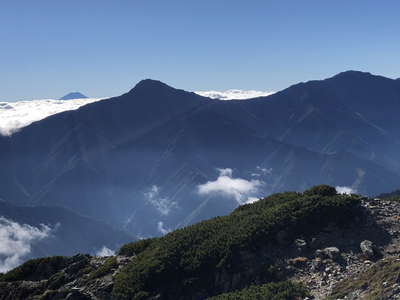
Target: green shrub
272,291
104,269
136,248
37,269
321,190
185,261
57,280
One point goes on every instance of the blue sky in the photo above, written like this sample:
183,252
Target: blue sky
102,48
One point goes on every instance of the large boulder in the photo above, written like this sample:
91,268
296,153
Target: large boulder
329,252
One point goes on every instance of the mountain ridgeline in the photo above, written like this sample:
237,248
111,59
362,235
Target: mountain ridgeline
239,256
136,161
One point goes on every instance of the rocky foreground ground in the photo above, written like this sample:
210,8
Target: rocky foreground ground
345,271
360,261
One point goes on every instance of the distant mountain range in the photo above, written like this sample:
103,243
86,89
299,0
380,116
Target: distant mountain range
73,95
19,114
157,158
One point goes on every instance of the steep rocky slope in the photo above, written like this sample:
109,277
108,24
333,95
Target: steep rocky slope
291,245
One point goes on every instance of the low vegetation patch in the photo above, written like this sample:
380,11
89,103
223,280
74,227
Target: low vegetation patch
273,291
187,261
136,248
37,269
104,269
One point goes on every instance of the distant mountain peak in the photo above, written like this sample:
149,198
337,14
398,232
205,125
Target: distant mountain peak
353,74
73,95
148,85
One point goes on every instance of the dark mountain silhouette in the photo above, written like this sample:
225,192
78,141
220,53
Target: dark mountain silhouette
136,160
73,95
352,111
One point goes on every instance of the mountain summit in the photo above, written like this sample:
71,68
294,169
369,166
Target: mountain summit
159,158
73,95
150,84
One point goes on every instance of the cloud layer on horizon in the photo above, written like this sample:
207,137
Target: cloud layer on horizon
234,94
16,115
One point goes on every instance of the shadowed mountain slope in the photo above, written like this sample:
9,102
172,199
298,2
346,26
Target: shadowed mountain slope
137,160
60,231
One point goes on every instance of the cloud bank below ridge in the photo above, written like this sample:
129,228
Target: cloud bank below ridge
239,189
234,94
19,114
16,115
16,242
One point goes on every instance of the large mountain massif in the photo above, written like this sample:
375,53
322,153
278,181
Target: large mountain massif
138,161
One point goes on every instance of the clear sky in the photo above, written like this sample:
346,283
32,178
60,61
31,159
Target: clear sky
104,47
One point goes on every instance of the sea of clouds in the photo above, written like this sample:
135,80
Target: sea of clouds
234,94
16,115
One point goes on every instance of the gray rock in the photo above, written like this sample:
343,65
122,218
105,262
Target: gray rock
329,252
316,265
368,249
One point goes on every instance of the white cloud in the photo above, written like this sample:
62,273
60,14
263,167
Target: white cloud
162,229
240,189
104,251
261,172
162,204
225,172
264,170
345,190
252,200
16,115
234,94
16,241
